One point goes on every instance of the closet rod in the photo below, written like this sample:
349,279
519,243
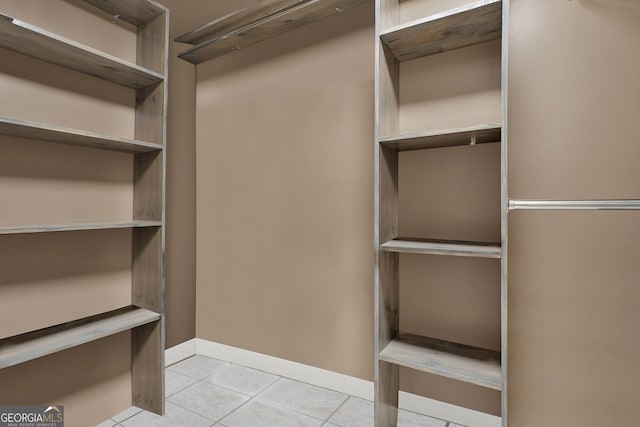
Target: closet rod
574,204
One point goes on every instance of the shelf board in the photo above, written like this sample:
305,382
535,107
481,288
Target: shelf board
135,12
255,12
32,345
262,28
475,23
482,134
41,44
51,228
460,362
45,132
443,247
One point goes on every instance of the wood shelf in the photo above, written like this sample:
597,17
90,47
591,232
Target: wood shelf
443,247
262,21
22,348
52,228
465,26
482,134
255,12
41,44
135,12
45,132
458,361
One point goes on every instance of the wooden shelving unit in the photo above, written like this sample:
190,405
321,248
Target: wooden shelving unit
262,20
147,77
471,24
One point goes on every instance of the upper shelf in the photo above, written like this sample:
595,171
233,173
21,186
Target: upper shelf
482,134
33,345
260,21
32,130
41,44
256,11
135,12
443,247
456,28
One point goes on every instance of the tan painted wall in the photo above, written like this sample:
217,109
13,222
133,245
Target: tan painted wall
574,104
573,276
180,288
92,381
573,315
284,134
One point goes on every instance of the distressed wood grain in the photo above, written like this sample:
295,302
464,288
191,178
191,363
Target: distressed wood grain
465,26
273,25
135,12
256,11
63,135
33,345
443,247
460,362
41,44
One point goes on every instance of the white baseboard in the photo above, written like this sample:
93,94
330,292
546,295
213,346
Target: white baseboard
339,382
180,352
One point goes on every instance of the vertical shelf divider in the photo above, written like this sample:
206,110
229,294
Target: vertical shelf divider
387,70
148,341
504,220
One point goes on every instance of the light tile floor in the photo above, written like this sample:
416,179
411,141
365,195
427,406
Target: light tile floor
207,392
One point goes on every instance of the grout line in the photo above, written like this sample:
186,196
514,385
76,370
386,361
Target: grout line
203,380
278,405
337,409
130,416
195,413
250,399
269,385
236,391
428,416
183,388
